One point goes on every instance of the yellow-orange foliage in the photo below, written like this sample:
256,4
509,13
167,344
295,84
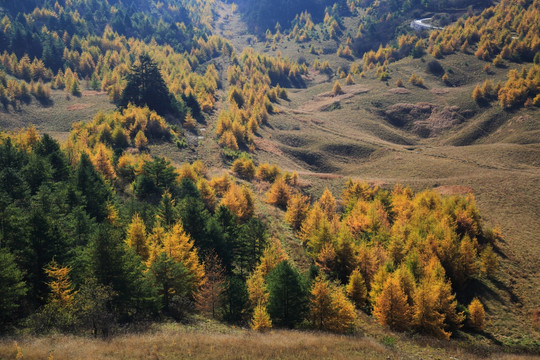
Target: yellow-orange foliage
272,255
179,246
328,204
239,200
477,315
279,194
391,307
244,168
356,289
137,237
62,292
425,314
256,286
261,319
336,89
297,209
330,308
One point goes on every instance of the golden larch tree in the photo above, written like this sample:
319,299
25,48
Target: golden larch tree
137,237
102,161
356,289
272,255
256,286
425,314
489,261
140,140
336,89
179,246
240,201
62,292
330,308
279,193
477,315
312,223
328,203
391,307
297,209
261,319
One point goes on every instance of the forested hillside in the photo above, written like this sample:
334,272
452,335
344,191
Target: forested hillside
208,167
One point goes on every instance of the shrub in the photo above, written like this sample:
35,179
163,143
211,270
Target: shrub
435,68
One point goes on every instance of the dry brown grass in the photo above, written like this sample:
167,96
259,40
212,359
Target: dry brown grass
185,343
209,340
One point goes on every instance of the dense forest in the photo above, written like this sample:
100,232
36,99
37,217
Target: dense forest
88,243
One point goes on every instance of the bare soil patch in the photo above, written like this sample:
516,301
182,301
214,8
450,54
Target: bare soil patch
76,107
453,189
399,91
439,91
424,119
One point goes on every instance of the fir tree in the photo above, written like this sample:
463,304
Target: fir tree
12,287
287,302
146,87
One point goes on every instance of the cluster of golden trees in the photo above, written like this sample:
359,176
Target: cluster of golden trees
132,127
24,68
399,254
14,92
303,27
402,256
331,24
507,29
407,45
521,88
254,85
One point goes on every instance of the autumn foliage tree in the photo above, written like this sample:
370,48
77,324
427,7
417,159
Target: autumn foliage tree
208,298
356,289
391,307
279,193
261,319
476,314
137,237
297,209
330,308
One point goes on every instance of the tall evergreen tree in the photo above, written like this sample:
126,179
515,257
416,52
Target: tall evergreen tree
235,299
12,287
92,186
287,303
146,87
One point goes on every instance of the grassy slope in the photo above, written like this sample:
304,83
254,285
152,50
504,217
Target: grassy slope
500,163
56,118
